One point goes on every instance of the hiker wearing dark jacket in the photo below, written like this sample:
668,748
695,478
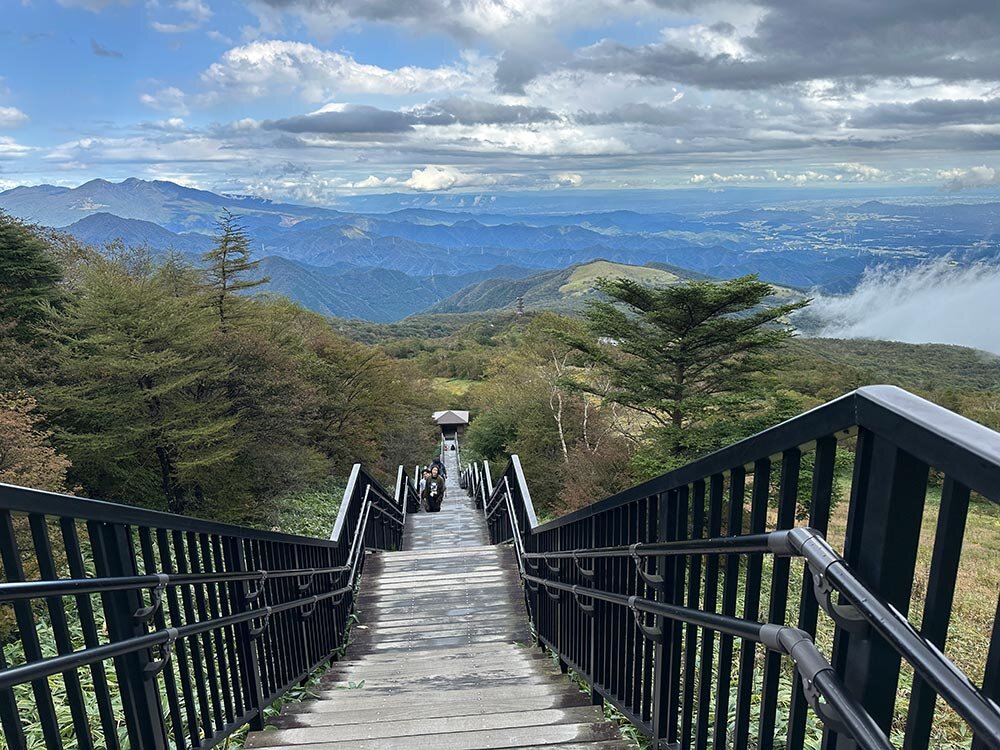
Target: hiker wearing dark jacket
434,490
440,467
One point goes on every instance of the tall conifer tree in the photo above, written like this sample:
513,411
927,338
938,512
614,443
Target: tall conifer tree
229,266
693,357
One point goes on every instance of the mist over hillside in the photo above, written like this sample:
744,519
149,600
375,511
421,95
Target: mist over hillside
937,303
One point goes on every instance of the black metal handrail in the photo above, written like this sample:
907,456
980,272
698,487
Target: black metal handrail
236,616
477,481
407,496
632,631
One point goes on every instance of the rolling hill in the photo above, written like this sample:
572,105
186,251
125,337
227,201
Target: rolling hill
562,290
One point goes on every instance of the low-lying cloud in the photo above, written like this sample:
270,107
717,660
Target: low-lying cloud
937,303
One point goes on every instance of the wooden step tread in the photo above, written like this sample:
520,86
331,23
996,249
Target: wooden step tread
440,658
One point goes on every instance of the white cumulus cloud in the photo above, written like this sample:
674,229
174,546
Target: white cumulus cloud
168,99
965,179
263,68
11,149
195,14
431,178
567,179
11,117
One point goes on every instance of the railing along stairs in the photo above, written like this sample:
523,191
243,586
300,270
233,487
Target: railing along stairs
171,630
626,592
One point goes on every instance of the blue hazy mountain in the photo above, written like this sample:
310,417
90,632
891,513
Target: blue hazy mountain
376,294
100,228
802,238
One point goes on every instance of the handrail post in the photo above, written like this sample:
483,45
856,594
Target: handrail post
246,651
883,534
664,654
114,556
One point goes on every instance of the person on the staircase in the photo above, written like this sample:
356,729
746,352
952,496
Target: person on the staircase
442,470
424,476
434,490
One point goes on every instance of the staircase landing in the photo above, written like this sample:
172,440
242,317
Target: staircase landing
441,658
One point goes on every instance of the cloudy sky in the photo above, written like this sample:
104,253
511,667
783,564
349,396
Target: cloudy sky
311,99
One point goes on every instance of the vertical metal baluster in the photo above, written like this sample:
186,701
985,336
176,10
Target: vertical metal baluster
819,519
60,629
991,675
212,662
27,628
679,516
751,603
198,658
623,618
269,680
210,595
630,588
694,595
151,568
651,649
884,557
787,497
10,720
181,646
706,681
114,556
734,527
948,539
247,651
599,627
229,634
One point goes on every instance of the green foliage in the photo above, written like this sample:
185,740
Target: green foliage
228,266
137,388
29,278
689,358
311,512
166,388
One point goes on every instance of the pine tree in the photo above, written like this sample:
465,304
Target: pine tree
29,278
136,397
690,357
229,265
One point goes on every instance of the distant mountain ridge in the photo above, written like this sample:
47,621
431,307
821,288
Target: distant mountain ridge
376,294
824,245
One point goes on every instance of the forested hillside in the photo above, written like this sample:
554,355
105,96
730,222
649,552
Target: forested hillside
510,370
146,381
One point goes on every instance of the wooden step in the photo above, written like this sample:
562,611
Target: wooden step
440,658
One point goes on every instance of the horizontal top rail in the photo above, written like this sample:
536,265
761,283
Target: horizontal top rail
26,500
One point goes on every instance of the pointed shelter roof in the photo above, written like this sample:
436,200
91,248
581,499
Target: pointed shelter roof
451,417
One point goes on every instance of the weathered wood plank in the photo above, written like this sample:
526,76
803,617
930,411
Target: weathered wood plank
442,657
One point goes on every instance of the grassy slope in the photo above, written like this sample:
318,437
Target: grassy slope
920,367
562,290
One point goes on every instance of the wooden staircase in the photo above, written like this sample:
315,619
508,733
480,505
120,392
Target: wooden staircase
441,658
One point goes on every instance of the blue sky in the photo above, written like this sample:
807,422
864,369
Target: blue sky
314,99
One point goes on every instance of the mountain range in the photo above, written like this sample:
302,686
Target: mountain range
407,255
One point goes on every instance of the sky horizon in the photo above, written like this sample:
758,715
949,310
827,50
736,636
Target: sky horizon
308,100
